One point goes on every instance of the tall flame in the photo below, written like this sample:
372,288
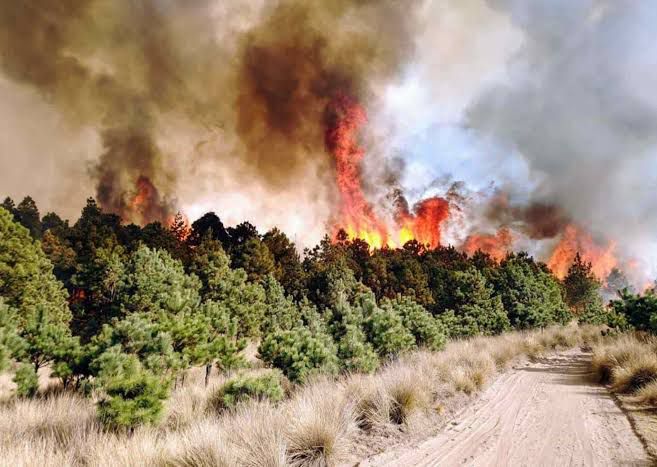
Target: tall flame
573,240
496,245
357,217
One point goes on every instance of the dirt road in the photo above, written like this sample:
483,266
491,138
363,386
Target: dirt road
544,414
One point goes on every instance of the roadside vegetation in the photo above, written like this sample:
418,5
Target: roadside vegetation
206,345
250,419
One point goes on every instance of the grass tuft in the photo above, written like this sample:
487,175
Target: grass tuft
321,424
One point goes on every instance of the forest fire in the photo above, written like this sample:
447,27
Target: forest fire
146,204
575,240
345,118
496,245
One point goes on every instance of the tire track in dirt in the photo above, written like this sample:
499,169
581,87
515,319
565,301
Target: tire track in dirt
544,414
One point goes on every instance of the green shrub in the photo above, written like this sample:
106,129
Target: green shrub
386,331
131,394
243,388
427,330
298,353
355,353
27,381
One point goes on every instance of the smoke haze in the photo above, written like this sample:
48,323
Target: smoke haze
544,109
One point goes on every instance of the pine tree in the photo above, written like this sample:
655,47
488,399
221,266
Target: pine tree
581,286
12,346
288,268
245,300
131,395
299,353
385,330
27,214
28,285
427,331
476,310
254,258
282,313
531,295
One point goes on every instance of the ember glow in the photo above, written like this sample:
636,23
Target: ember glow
357,216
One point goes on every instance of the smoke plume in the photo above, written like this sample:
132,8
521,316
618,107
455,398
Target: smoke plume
579,107
261,76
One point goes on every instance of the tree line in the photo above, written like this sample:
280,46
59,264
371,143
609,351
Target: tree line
123,311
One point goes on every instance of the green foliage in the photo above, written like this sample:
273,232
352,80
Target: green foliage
386,331
242,388
28,285
156,282
27,381
581,286
27,214
282,313
288,269
640,311
298,353
246,301
599,315
355,353
60,254
476,309
12,346
141,336
254,258
530,293
101,285
131,395
427,330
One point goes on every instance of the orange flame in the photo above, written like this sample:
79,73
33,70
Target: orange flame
496,245
574,240
357,217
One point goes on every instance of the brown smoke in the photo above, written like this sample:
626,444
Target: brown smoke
121,67
537,220
301,56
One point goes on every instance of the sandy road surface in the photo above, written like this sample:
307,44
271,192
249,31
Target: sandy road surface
544,414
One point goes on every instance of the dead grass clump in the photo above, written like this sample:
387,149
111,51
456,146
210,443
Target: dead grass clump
256,433
590,336
479,368
34,451
558,337
602,366
320,424
635,374
504,350
615,354
143,447
185,407
407,394
200,445
371,404
647,394
57,419
532,347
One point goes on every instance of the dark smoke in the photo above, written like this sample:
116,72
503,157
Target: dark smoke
123,67
537,220
298,59
108,66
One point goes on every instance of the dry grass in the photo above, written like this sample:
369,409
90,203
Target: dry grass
647,394
257,433
321,423
629,364
635,374
317,426
615,354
